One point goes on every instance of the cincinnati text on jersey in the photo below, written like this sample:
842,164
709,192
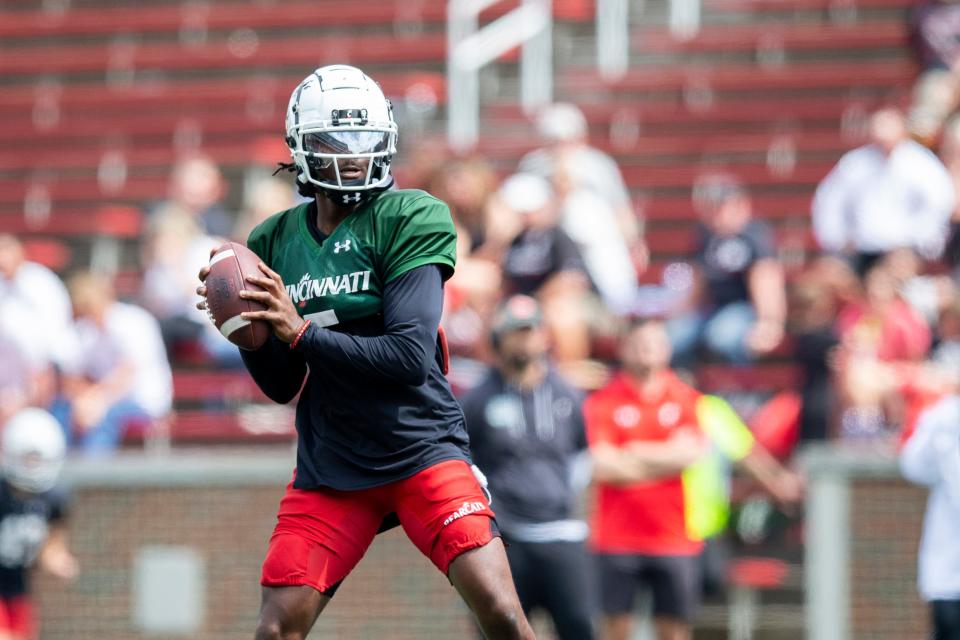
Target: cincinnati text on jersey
308,289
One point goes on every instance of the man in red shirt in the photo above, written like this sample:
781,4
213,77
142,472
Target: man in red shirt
643,432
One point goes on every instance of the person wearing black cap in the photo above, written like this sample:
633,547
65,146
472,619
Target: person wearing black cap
527,435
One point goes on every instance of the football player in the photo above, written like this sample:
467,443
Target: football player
353,288
32,513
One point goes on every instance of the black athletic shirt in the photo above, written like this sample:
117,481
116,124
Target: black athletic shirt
726,260
376,406
25,521
525,442
537,254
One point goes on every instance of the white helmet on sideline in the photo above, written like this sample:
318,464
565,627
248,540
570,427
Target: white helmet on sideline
33,450
339,112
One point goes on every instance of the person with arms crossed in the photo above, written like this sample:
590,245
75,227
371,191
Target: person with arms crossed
353,286
643,433
527,435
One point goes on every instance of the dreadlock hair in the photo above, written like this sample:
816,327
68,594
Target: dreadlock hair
305,189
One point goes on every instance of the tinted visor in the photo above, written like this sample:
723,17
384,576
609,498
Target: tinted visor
346,142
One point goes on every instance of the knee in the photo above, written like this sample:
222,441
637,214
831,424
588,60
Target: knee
499,612
270,629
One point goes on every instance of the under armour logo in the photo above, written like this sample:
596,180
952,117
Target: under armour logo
347,197
337,246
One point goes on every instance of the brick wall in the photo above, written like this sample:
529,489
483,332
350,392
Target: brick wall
395,593
885,521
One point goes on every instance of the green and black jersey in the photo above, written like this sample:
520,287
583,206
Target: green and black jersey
359,426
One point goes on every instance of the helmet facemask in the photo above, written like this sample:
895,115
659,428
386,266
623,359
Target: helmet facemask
325,149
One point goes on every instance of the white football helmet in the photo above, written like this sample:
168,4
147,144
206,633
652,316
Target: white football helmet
339,112
33,450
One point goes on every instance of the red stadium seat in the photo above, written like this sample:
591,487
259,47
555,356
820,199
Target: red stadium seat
49,252
890,34
748,576
222,385
758,377
195,427
240,14
758,573
221,53
744,77
793,6
160,18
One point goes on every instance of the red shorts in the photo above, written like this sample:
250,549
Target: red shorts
16,616
321,534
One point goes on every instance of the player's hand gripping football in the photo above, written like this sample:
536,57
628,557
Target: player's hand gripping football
280,312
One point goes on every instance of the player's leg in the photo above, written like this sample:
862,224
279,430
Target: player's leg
446,514
565,571
18,620
320,536
675,583
727,329
946,619
617,577
288,613
524,569
482,577
616,627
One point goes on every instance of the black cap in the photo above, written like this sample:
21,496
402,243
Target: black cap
712,191
517,312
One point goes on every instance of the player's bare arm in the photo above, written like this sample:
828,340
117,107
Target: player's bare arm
55,557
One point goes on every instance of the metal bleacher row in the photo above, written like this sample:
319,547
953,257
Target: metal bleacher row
98,98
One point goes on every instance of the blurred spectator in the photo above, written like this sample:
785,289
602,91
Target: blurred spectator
120,372
931,457
475,288
541,260
816,297
465,184
568,160
265,197
173,252
643,433
879,336
707,483
883,324
196,189
527,435
590,221
35,322
950,154
947,352
813,311
936,31
470,297
888,194
33,513
645,428
928,294
738,304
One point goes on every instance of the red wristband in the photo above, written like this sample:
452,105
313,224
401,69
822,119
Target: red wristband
300,332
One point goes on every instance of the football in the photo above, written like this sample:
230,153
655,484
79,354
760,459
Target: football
229,267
